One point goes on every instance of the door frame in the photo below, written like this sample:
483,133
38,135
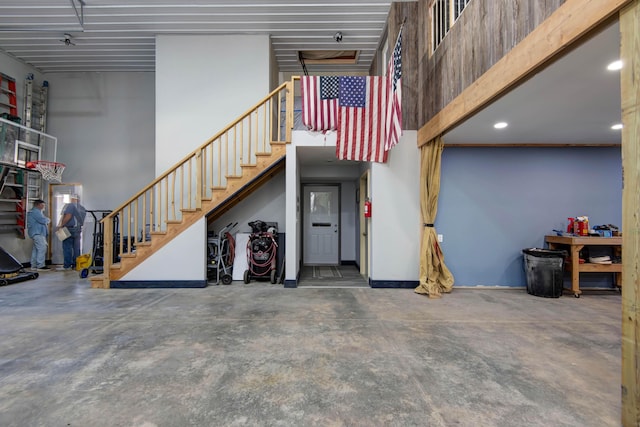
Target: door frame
364,224
76,189
303,216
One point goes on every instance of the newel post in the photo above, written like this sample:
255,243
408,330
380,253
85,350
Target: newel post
107,254
199,180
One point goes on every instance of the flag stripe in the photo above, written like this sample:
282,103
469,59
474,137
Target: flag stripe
361,130
393,127
317,114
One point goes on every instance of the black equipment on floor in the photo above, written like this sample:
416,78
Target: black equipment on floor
12,271
261,252
97,247
221,250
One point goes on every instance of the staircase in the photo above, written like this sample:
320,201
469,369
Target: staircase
214,177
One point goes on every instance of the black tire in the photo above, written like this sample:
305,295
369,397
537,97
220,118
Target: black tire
4,282
247,279
273,276
226,279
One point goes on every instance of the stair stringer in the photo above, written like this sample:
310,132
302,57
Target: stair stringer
182,259
189,218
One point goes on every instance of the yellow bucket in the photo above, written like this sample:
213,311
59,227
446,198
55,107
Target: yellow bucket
83,261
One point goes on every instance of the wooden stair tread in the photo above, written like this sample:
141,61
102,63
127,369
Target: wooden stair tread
236,188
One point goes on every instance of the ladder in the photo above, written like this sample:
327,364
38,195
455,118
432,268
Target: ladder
35,104
8,98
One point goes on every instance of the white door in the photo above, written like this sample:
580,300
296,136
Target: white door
58,197
321,224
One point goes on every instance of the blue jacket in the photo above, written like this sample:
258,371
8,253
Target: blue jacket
37,223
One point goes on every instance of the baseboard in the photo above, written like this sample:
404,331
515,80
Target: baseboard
144,284
294,283
396,284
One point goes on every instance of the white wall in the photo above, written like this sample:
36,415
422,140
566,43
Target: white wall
203,83
181,259
395,219
329,173
266,204
105,128
292,208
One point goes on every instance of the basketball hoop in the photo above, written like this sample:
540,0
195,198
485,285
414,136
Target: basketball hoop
51,171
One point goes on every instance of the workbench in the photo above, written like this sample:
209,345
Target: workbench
574,245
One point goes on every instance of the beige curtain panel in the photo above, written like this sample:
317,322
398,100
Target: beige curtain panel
435,277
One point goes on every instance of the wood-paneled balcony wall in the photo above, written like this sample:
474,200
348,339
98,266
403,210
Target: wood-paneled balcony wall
207,177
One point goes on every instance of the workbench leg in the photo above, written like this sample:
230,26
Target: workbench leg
575,270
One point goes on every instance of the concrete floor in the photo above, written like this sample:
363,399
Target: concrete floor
262,355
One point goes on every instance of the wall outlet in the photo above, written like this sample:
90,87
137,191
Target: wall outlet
440,238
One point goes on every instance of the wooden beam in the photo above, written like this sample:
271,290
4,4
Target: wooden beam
566,25
630,91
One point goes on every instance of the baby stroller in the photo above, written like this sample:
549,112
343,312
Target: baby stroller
221,252
261,252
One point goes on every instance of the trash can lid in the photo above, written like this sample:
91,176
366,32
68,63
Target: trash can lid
545,253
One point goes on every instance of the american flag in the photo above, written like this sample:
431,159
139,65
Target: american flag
361,123
319,102
393,128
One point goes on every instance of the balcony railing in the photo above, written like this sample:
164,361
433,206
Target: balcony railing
442,15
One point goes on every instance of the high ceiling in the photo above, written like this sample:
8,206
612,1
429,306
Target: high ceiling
119,35
575,100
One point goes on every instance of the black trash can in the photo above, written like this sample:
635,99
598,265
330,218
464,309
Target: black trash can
544,269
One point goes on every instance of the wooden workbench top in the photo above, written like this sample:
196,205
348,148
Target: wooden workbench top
584,240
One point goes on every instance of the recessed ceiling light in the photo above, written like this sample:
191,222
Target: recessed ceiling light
501,125
615,65
617,126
